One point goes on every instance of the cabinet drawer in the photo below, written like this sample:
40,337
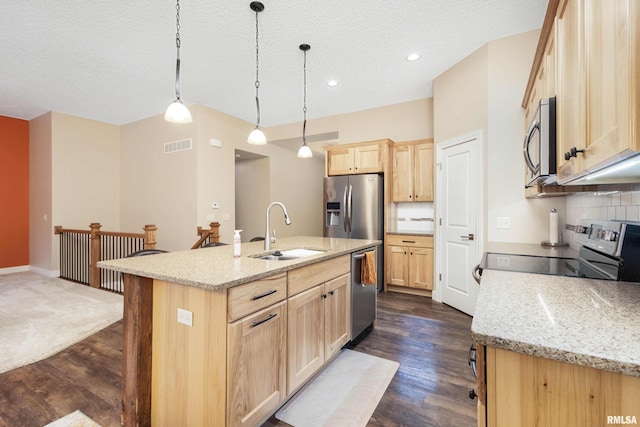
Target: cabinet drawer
410,241
307,277
251,297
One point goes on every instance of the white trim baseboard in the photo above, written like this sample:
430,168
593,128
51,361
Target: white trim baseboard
18,269
44,272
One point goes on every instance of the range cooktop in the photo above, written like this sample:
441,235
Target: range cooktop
532,264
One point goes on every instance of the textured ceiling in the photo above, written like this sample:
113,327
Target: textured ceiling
114,61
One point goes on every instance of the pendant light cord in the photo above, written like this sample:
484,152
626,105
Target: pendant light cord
304,108
178,49
257,73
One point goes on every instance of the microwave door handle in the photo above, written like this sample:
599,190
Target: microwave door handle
527,140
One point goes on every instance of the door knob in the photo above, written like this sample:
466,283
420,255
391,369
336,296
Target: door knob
470,236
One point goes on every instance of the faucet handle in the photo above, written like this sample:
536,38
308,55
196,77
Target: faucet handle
273,239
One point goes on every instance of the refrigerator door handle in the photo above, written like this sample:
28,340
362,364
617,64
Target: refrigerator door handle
350,207
345,215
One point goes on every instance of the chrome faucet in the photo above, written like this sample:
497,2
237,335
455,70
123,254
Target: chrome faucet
267,238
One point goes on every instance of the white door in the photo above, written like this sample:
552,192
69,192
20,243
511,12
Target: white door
459,214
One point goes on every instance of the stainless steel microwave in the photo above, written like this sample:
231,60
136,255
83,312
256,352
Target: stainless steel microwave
540,145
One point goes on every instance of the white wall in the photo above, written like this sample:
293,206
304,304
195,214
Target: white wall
484,91
41,244
74,181
252,196
509,64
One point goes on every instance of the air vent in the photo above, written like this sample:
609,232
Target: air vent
175,146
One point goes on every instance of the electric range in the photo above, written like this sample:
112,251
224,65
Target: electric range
609,250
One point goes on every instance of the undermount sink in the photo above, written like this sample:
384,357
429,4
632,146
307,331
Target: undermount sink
289,254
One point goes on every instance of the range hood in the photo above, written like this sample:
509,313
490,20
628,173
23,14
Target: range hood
623,169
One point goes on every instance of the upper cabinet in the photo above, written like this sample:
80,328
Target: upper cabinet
588,56
413,171
358,158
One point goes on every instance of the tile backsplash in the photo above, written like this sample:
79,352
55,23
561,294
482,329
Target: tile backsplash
414,217
603,205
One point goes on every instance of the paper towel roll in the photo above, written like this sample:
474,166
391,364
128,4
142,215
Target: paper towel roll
553,227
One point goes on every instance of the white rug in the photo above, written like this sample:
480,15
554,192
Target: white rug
74,419
40,316
345,394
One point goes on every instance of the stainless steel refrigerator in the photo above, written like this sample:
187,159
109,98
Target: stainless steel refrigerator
354,209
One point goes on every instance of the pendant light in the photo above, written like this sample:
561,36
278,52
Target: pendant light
177,111
256,137
305,152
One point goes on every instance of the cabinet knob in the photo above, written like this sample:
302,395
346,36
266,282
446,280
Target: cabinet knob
324,296
472,394
573,152
331,292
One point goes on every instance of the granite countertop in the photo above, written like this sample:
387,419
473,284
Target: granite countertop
585,322
215,268
531,249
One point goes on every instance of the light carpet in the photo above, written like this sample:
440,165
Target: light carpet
74,419
345,394
41,316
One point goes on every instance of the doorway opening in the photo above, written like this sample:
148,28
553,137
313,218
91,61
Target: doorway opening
252,192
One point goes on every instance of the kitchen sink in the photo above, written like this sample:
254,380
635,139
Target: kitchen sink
289,254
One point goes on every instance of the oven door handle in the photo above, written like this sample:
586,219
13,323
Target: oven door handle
476,273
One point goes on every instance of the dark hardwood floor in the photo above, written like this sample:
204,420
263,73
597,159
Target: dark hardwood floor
429,340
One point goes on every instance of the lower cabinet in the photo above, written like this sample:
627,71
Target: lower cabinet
319,325
247,347
526,390
410,261
256,365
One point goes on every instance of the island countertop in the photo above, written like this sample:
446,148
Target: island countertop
585,322
216,268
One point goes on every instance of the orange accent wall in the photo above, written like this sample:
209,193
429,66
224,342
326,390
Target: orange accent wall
14,192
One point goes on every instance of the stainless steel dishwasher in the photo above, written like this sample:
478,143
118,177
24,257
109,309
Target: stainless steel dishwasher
363,297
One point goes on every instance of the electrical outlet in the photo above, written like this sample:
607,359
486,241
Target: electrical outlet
503,261
503,222
185,317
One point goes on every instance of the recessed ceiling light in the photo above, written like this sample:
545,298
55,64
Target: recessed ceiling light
413,57
332,83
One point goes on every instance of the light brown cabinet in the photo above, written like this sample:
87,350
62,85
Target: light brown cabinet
231,367
413,171
410,261
357,158
570,103
590,62
521,388
256,365
319,317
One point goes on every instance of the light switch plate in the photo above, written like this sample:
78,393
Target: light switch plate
503,222
185,317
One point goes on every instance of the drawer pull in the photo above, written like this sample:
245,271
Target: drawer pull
260,322
408,241
266,294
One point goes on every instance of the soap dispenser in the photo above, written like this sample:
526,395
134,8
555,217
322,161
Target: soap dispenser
236,243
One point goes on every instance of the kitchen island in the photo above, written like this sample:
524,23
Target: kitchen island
559,350
210,339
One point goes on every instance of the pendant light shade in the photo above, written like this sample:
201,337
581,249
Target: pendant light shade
177,111
257,137
305,152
